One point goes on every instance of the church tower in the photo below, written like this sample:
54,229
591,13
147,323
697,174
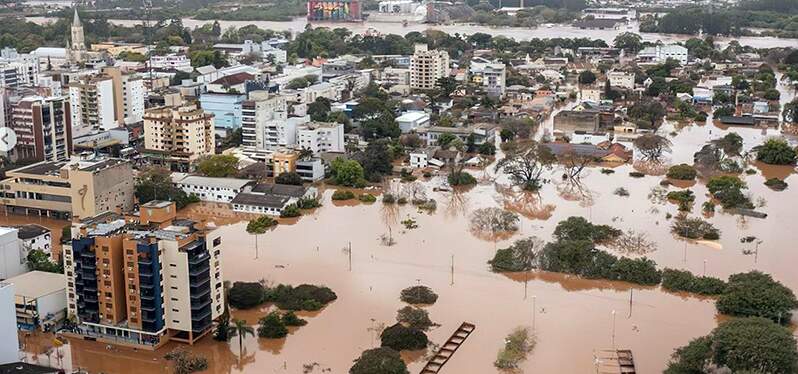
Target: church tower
77,50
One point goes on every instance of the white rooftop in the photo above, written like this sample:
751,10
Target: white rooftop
224,183
35,284
411,116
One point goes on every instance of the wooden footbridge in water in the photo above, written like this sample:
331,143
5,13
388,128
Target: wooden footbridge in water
435,364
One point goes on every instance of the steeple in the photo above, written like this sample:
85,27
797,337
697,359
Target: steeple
76,19
77,49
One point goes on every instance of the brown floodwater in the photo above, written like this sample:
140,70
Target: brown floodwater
573,317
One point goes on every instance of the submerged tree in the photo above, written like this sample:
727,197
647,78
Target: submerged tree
259,226
526,163
652,146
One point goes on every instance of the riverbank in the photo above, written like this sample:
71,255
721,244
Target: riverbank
398,27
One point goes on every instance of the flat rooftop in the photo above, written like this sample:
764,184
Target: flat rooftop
35,284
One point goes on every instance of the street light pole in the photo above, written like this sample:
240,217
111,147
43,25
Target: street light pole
534,311
613,329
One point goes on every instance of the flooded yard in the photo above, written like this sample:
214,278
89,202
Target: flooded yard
572,318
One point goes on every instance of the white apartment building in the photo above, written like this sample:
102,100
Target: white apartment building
265,123
26,65
12,254
171,61
40,299
492,76
426,67
321,137
133,97
395,76
92,104
411,121
662,53
620,79
183,133
35,237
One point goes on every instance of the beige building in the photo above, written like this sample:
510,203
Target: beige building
144,280
178,134
426,67
75,188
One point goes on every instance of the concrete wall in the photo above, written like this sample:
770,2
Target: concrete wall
11,261
9,345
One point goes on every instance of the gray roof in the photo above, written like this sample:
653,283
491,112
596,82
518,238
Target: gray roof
559,149
285,190
269,201
35,284
31,231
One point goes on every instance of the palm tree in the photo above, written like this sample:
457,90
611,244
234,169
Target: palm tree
242,329
259,226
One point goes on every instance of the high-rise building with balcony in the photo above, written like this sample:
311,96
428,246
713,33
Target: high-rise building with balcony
92,102
426,67
178,135
144,281
43,129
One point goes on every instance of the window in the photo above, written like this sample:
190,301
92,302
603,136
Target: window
174,288
217,241
107,283
175,310
108,294
174,299
175,321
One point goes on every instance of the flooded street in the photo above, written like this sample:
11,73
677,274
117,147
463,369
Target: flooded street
571,317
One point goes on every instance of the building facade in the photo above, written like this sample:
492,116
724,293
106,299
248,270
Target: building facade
179,134
426,67
320,137
79,187
144,282
225,107
43,128
92,104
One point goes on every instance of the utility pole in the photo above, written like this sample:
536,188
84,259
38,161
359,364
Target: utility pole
613,329
534,311
452,282
631,292
350,256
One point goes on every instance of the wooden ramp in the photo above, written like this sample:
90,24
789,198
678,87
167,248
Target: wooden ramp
447,350
614,361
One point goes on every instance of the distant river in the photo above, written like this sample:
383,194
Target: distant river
518,33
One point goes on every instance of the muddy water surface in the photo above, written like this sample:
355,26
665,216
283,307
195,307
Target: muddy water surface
572,317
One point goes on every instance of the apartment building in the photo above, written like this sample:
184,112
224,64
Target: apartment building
43,129
92,102
320,137
76,188
426,67
492,76
178,135
621,79
26,66
129,96
144,281
265,123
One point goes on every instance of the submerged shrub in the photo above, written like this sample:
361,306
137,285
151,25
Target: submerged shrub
418,295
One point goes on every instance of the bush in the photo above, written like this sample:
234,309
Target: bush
728,190
486,149
639,271
291,178
685,198
517,346
461,178
636,174
518,257
245,295
343,195
379,361
682,172
741,345
680,280
291,210
272,326
388,198
418,295
695,228
302,297
776,151
756,294
290,319
578,228
401,338
776,184
413,317
607,171
367,198
493,220
308,203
